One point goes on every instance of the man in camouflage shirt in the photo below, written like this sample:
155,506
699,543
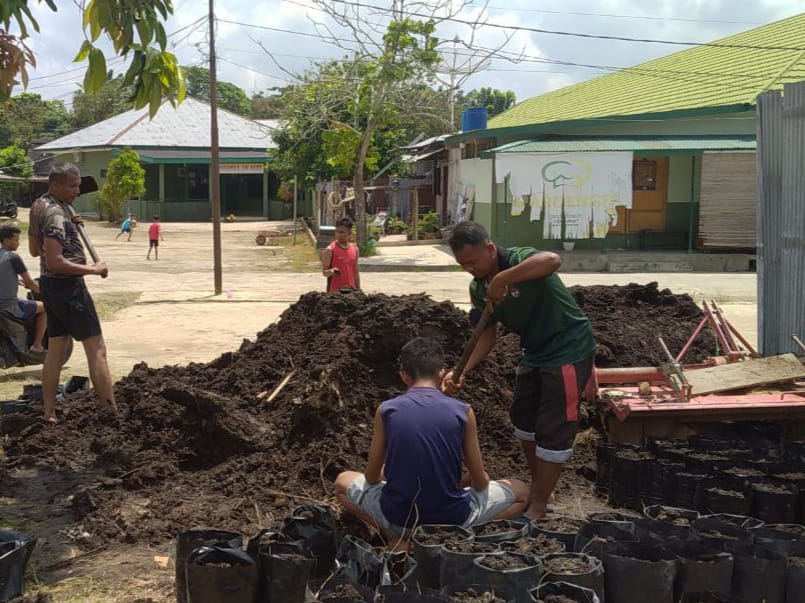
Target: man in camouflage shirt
70,309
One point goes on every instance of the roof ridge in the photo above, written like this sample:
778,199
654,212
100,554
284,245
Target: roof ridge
128,128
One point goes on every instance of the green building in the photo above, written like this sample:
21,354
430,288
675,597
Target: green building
174,149
681,133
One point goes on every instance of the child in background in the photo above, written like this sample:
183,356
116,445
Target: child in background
154,237
339,261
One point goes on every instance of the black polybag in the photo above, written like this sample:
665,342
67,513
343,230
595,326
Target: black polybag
15,551
518,582
188,541
284,571
216,574
429,557
701,570
572,591
314,526
592,580
653,569
759,575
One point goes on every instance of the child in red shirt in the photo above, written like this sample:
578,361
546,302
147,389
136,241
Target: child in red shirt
154,237
339,261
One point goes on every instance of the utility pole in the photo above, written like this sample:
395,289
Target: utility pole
215,168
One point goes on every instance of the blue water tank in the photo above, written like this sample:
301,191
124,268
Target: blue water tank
473,118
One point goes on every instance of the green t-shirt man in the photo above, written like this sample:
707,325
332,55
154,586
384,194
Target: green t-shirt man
553,329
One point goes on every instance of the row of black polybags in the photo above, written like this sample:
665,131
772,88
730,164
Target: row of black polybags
670,555
758,477
304,560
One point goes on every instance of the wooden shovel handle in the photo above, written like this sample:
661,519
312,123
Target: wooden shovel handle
85,238
476,335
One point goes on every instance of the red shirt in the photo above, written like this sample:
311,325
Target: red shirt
153,231
346,260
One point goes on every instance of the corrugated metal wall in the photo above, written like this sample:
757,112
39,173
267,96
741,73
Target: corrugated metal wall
781,219
728,200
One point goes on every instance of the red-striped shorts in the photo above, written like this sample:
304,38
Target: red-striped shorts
545,408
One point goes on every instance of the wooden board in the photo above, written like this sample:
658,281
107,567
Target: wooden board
740,375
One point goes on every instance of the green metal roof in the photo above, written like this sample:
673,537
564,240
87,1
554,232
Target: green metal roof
661,144
729,72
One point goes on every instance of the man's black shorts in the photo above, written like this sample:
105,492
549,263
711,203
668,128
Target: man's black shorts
69,307
153,243
545,408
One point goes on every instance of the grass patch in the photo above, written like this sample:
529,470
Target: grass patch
83,589
301,257
109,304
21,524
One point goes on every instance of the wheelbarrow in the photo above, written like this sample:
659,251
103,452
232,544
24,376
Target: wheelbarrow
266,237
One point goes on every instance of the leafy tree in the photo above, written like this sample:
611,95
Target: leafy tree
321,116
14,161
111,99
230,97
133,26
26,117
125,178
266,106
496,101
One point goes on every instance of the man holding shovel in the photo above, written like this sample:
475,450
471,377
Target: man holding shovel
69,306
518,287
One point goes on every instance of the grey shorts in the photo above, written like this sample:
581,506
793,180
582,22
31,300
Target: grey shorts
484,505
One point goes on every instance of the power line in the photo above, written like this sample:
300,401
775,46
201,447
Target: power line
553,32
615,16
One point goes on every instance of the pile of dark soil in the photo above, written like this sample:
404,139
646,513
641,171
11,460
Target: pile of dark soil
208,445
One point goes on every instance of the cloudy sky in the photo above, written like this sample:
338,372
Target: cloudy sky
287,28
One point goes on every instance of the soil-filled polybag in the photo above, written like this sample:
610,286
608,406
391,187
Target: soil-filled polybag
401,593
639,574
786,539
774,502
459,593
399,568
662,481
759,575
571,592
661,522
739,477
427,544
516,573
706,462
358,562
189,541
631,471
595,538
603,455
559,527
721,498
284,569
687,482
499,530
539,545
720,535
575,568
457,566
708,597
795,580
338,590
314,526
215,574
15,551
701,569
741,521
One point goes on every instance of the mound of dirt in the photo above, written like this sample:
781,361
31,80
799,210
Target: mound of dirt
209,445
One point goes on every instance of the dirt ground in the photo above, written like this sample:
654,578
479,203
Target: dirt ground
165,314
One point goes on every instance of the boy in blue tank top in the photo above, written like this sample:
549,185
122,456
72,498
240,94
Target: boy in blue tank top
422,440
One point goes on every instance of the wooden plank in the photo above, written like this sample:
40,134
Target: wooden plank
740,375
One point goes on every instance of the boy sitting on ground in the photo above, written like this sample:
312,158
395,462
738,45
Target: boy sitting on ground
413,476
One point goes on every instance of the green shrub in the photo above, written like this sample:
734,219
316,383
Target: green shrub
428,223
